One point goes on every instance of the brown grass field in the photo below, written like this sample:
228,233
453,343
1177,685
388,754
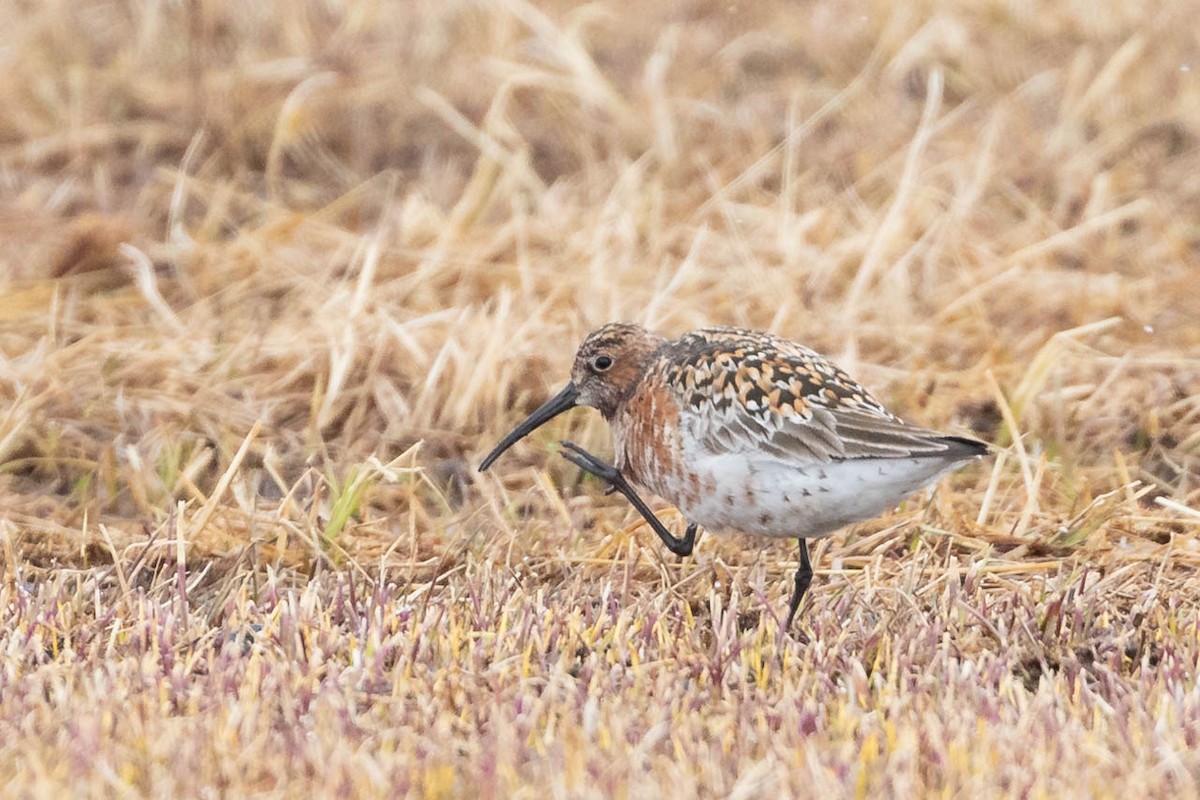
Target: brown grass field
275,276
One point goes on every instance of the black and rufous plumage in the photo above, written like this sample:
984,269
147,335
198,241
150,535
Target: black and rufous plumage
745,431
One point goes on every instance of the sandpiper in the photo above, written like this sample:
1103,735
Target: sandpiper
743,431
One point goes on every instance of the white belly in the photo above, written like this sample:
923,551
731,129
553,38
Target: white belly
769,498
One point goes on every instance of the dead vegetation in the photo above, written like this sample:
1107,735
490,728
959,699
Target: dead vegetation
276,276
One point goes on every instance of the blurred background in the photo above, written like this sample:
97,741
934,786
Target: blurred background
275,275
369,225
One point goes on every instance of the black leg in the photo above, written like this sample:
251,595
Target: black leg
803,579
607,472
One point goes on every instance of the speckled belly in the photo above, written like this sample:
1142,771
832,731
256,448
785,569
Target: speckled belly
763,496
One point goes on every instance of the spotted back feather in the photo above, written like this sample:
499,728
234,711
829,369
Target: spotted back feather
744,391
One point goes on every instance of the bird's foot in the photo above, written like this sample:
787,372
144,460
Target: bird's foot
593,465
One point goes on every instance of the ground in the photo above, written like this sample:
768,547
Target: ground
276,276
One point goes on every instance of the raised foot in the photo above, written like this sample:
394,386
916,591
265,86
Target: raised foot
617,483
593,465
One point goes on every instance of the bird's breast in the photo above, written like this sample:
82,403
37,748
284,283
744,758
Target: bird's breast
646,438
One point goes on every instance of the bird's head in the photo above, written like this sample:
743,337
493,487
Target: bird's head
609,362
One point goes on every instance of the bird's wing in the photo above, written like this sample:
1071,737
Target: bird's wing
747,392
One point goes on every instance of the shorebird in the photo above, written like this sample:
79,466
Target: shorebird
743,431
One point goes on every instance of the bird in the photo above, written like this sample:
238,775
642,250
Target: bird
743,430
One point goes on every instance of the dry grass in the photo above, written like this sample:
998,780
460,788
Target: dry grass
278,275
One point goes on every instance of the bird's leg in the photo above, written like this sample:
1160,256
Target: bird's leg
680,546
803,579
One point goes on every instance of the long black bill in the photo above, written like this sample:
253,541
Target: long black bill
563,401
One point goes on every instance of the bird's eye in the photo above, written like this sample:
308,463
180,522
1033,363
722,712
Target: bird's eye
602,363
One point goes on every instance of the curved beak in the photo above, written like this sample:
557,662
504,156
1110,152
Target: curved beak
563,401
